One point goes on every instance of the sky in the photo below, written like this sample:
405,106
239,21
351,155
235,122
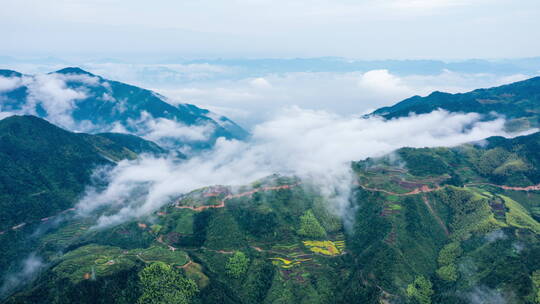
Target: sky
367,29
173,47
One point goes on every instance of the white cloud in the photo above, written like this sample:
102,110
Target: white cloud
29,268
315,145
249,97
81,78
343,93
484,295
160,129
384,84
9,83
260,83
52,94
6,114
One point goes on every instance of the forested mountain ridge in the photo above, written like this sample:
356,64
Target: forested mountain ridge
44,169
81,101
519,102
439,225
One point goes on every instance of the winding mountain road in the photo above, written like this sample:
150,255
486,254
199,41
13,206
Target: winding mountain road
528,188
427,189
231,196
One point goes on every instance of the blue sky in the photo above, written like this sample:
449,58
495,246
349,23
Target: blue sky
366,29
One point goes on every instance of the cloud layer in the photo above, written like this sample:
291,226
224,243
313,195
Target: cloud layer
314,145
251,100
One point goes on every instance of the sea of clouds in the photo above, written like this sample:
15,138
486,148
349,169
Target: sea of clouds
316,146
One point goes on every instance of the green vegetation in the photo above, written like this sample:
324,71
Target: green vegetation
195,272
161,284
423,162
519,216
447,261
536,284
93,261
43,172
518,102
161,254
237,264
449,254
310,226
156,228
398,245
323,247
134,143
471,212
44,169
328,220
420,290
448,272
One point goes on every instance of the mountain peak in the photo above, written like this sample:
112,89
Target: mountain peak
9,73
74,70
439,93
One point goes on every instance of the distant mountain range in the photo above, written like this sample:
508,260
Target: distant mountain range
519,102
81,101
260,66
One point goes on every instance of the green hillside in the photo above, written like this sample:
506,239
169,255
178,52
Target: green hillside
134,143
519,102
44,169
434,226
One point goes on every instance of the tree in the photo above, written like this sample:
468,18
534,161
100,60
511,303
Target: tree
310,226
449,253
161,284
156,228
448,272
421,290
237,265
